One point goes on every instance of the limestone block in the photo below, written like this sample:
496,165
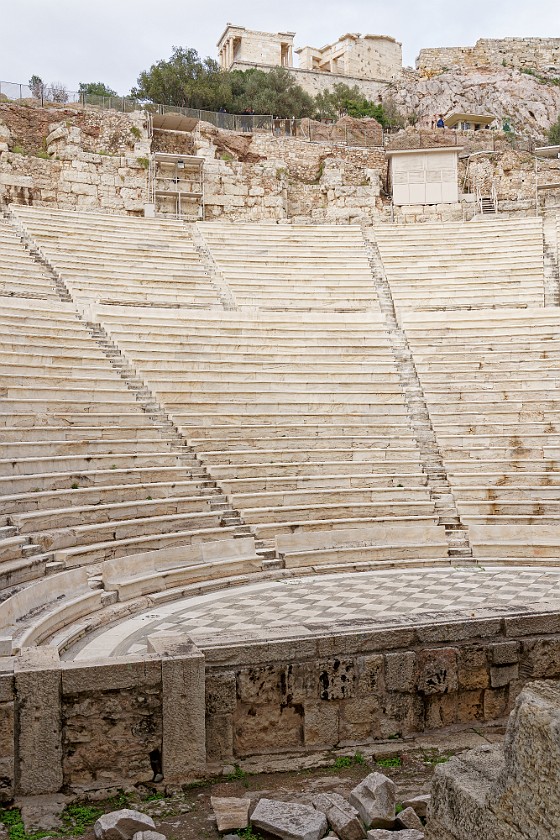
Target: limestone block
501,675
42,813
38,721
341,816
122,825
60,132
419,804
408,818
320,727
374,799
288,820
437,671
149,835
399,671
407,834
230,812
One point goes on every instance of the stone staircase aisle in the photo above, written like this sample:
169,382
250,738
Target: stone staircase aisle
438,482
551,252
150,405
230,517
215,275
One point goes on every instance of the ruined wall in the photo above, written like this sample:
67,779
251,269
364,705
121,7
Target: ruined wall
541,54
88,160
315,81
110,726
102,722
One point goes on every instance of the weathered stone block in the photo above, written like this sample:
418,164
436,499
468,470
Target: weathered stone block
122,825
399,671
504,653
221,693
369,675
341,816
470,706
320,727
472,671
219,738
437,671
230,812
359,719
501,675
265,728
440,710
374,799
288,820
336,679
495,703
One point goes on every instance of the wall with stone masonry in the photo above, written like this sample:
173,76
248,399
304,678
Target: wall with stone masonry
100,721
541,54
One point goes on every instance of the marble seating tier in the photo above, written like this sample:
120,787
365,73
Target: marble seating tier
134,261
21,276
491,385
292,267
294,446
458,265
84,473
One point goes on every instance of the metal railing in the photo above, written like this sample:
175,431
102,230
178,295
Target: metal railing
59,95
492,140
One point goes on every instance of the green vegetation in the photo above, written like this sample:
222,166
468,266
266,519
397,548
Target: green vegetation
434,758
554,133
395,761
135,131
143,162
345,761
76,819
238,775
250,834
542,80
96,89
189,81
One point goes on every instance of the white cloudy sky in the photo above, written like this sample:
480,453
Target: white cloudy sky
113,40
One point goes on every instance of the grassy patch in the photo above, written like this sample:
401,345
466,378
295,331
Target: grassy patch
395,761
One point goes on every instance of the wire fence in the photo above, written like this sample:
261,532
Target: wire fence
470,141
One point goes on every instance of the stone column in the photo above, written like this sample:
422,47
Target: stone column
38,722
184,705
6,737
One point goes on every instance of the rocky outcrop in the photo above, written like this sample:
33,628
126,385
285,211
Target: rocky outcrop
509,792
529,105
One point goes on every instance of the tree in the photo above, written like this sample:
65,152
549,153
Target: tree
96,89
186,80
57,92
554,134
273,92
37,86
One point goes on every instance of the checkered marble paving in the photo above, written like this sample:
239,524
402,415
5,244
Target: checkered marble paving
301,605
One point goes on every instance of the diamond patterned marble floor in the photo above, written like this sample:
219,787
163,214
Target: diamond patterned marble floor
284,606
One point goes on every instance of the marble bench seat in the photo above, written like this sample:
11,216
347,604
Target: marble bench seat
44,607
303,482
117,530
88,554
337,495
86,447
54,520
97,494
382,542
37,482
85,462
358,455
309,468
158,571
272,529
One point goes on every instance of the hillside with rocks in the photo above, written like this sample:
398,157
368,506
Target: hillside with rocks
531,103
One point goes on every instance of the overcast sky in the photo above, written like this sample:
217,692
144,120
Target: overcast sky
111,41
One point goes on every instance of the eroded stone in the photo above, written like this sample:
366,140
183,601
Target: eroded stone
288,820
122,825
374,799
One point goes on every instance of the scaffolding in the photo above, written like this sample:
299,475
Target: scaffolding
176,185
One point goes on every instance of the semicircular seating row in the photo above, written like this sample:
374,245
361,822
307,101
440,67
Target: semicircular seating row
301,421
298,417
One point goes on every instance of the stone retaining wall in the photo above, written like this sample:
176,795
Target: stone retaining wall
540,54
103,724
